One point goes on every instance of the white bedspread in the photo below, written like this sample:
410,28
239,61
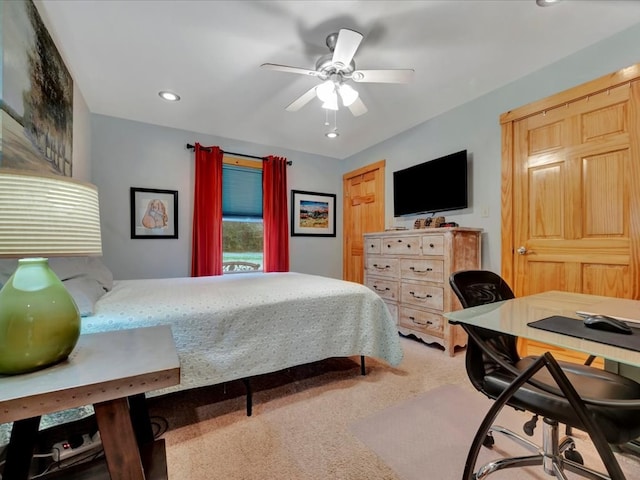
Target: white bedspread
236,326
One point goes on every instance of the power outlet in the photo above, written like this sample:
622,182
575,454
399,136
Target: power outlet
65,449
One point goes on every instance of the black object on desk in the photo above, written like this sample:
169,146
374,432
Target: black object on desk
576,328
608,324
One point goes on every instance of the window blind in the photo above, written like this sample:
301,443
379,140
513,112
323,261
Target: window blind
241,192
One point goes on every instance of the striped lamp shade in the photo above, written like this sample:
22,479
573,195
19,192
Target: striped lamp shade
47,216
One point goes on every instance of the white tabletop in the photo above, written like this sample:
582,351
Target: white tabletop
102,367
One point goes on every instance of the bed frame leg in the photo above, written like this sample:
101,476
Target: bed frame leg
247,386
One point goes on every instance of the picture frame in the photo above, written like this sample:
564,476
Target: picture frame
313,214
154,213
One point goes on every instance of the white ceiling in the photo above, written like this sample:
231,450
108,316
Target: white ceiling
121,53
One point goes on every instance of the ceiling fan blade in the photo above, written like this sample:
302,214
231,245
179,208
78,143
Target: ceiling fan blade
383,76
346,46
285,68
302,100
358,107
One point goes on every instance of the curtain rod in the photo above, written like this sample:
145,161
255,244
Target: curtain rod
192,147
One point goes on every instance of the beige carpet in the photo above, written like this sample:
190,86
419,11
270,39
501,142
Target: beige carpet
432,432
305,422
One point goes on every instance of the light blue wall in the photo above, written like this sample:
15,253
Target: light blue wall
475,126
128,154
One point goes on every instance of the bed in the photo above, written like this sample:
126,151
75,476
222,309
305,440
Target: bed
230,327
238,326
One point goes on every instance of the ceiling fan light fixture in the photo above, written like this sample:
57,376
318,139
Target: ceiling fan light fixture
331,103
332,134
546,3
326,91
348,94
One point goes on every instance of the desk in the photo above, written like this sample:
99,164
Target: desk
109,370
512,316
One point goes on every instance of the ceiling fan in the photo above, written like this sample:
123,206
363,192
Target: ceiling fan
336,68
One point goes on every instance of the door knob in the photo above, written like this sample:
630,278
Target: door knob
522,251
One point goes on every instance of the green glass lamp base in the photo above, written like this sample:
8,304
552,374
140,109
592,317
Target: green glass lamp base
39,320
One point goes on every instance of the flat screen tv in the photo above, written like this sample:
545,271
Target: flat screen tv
434,186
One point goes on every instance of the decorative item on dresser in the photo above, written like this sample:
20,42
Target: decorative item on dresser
422,223
409,270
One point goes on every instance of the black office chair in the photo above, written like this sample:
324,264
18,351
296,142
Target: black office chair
605,405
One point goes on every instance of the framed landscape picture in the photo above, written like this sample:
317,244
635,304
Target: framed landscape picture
313,214
154,213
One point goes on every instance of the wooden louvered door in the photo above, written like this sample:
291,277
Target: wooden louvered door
575,219
363,204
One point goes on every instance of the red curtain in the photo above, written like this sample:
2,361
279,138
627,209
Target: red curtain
275,215
206,249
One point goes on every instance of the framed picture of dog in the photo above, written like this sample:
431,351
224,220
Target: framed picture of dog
154,213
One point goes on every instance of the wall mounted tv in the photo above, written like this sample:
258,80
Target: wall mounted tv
429,187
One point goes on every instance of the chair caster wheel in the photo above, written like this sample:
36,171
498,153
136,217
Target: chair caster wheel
574,456
488,441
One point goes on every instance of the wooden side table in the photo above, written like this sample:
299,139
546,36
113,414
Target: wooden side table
111,371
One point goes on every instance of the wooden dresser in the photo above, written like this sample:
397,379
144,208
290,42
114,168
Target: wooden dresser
410,270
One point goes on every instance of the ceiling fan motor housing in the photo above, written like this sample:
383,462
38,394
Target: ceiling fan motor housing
331,41
326,67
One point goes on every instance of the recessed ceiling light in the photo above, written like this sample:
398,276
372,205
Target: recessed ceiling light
331,134
546,3
170,96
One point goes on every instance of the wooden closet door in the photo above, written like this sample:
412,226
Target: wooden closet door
573,192
363,203
575,218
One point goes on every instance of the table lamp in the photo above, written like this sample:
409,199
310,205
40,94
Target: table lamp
42,216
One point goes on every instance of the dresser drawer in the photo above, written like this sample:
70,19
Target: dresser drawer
433,244
418,269
409,245
421,320
422,295
386,288
372,245
383,266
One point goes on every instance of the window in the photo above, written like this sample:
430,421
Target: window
242,227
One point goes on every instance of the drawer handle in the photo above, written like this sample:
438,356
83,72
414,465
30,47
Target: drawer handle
372,245
431,245
413,319
375,287
399,241
413,294
413,269
381,268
